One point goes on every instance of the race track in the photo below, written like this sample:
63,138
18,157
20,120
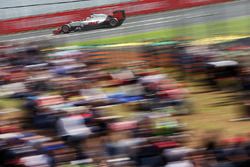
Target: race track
146,23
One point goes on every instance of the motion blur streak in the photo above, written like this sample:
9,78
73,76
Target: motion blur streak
124,104
177,97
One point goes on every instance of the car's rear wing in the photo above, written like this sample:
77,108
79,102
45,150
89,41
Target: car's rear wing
119,15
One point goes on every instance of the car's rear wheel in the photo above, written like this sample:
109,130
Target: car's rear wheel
65,29
113,22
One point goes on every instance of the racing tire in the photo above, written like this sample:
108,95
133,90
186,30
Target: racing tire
65,29
113,22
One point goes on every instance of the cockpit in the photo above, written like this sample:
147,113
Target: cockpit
96,16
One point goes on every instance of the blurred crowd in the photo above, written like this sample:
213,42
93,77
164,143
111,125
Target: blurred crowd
75,111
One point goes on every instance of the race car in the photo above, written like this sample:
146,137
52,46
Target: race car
94,21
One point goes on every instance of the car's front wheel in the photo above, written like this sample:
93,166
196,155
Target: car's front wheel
65,29
113,22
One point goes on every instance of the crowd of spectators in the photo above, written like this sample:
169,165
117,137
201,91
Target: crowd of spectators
69,122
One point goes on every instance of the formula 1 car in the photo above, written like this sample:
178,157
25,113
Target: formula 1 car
94,21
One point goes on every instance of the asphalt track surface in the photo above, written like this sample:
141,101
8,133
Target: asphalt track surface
145,23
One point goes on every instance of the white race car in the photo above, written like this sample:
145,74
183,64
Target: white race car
94,21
